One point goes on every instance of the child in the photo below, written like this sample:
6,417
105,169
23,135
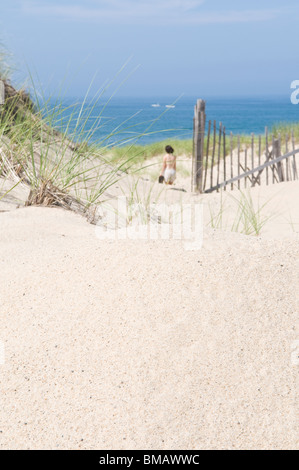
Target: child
169,165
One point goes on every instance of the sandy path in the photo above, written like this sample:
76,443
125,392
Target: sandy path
144,345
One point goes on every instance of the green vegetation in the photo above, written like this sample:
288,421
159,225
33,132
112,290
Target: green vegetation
249,218
216,216
59,163
140,153
285,130
55,169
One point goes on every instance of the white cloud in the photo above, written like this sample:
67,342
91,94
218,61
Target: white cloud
130,11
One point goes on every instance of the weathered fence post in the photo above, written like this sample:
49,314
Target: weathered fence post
267,154
2,93
213,153
295,174
219,154
276,154
260,156
207,156
231,158
239,151
198,146
249,157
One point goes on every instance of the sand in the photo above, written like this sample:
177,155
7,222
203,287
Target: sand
144,345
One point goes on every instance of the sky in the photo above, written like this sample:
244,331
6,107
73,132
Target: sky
170,47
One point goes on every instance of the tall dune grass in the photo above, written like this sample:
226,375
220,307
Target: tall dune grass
249,216
55,151
139,153
48,147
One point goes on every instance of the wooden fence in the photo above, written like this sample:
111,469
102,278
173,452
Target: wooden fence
231,162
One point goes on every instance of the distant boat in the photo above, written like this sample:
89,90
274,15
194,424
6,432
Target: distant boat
170,106
156,105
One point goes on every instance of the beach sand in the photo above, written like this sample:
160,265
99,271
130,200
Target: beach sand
143,344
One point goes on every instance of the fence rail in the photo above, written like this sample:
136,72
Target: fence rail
224,161
254,170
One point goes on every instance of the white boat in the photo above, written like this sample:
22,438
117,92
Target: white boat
156,105
169,106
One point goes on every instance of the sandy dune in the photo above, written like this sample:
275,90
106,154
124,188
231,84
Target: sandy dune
144,345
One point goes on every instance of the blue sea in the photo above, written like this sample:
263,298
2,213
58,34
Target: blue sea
121,121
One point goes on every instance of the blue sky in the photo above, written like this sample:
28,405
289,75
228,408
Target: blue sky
196,47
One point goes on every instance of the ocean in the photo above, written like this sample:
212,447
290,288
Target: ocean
124,121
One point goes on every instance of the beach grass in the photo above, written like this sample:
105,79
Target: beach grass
143,152
249,216
139,153
50,148
58,163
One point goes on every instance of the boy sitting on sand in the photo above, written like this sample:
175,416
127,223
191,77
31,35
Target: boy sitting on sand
169,166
